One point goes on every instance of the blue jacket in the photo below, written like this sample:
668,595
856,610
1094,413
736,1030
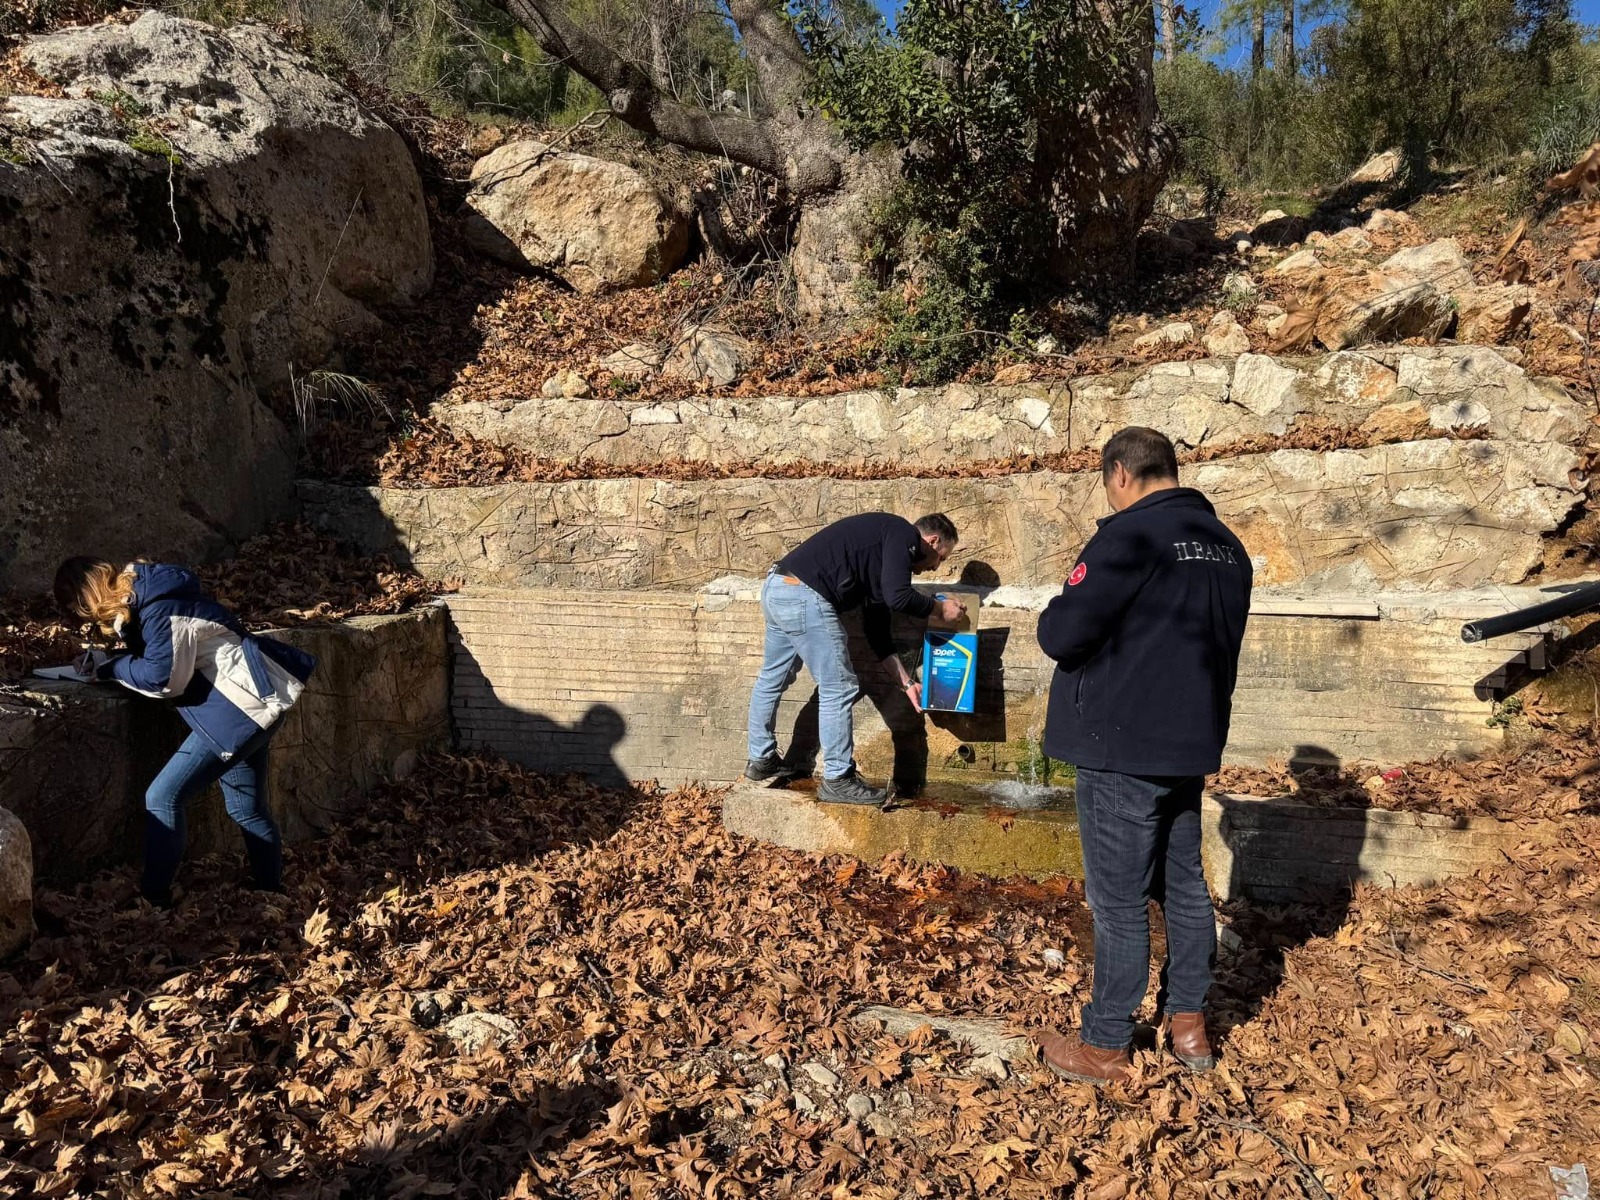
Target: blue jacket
1145,636
228,684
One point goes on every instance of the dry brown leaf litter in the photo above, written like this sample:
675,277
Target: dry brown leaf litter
1555,777
1431,1041
432,456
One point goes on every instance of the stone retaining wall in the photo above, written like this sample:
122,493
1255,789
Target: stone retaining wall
1209,402
655,685
75,760
1435,514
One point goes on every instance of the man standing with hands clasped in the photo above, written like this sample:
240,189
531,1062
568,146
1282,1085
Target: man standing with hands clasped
866,562
1145,636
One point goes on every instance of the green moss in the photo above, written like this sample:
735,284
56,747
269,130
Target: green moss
122,105
147,141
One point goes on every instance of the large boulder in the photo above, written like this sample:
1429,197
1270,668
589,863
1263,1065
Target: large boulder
16,884
596,224
200,215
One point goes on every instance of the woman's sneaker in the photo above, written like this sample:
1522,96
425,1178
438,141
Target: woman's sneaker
850,789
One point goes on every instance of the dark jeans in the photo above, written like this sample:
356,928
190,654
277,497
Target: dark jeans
1141,842
189,772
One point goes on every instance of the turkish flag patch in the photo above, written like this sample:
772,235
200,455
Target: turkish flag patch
1078,572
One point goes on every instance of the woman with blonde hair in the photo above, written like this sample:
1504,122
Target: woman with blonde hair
229,685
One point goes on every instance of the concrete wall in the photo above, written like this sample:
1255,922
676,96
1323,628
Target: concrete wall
1435,514
1281,852
75,760
642,685
1209,402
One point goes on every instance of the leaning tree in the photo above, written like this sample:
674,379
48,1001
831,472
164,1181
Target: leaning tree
1053,100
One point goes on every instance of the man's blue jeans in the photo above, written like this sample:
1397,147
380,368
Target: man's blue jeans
189,772
802,627
1141,842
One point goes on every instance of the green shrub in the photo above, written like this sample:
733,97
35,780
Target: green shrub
958,90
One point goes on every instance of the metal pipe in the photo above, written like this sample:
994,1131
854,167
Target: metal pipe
1576,601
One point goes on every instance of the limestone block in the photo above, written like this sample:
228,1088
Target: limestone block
1225,336
1492,314
16,885
705,355
1301,263
151,300
1380,168
1176,333
1387,220
1382,306
1279,851
597,224
1440,263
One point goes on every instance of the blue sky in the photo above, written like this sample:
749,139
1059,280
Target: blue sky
1586,11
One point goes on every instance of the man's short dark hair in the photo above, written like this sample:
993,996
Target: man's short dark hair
940,526
1146,454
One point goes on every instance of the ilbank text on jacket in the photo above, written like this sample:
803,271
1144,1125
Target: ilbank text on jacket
1145,636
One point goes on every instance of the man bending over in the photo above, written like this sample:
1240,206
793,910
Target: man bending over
865,562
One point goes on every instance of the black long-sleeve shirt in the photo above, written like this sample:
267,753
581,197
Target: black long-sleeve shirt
864,561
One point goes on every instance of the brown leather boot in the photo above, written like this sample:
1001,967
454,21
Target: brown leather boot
1070,1058
1186,1034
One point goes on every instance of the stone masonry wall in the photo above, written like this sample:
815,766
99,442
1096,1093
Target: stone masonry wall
1436,514
1209,402
651,684
75,760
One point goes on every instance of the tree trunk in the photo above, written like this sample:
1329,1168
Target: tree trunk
660,62
1258,38
1169,32
1099,165
1286,39
1102,167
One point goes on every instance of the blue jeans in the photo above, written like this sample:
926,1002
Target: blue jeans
802,627
1141,842
189,772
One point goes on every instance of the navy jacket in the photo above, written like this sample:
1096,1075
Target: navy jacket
228,684
864,561
1145,636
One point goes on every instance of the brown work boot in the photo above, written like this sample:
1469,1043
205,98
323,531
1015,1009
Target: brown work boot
1071,1058
1186,1034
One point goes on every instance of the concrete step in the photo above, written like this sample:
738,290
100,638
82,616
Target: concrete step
1436,514
1273,851
1204,403
655,684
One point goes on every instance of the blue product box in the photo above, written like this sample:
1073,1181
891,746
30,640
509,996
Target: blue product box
949,670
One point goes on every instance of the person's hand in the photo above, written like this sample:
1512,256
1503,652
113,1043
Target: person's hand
913,691
951,610
88,663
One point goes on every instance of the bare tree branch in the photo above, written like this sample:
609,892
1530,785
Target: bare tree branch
636,100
